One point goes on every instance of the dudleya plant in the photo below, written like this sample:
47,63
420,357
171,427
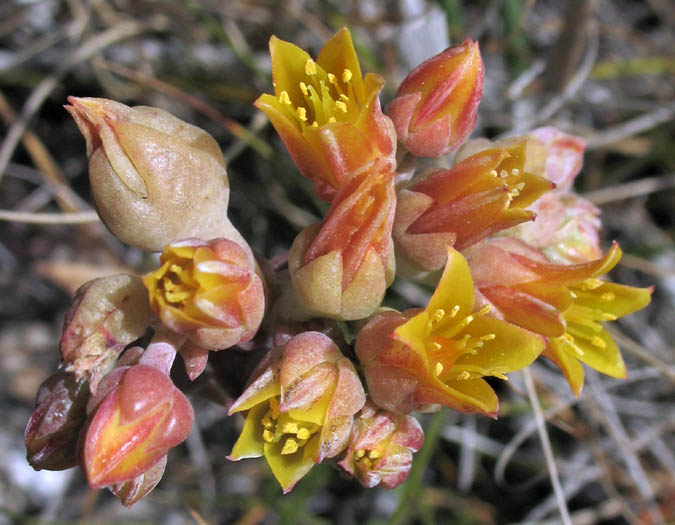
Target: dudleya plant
511,252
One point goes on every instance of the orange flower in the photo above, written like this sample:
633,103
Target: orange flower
342,267
569,304
436,105
328,116
485,193
440,355
207,291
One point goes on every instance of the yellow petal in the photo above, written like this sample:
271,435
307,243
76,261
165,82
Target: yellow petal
615,299
288,68
414,332
603,355
290,468
569,364
511,349
250,442
454,289
337,55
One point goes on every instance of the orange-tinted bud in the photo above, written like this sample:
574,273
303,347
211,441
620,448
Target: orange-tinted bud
208,291
485,193
342,267
155,179
130,492
52,431
381,448
131,429
301,406
568,303
435,107
107,314
439,355
327,114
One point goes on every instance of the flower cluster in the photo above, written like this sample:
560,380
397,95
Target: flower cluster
507,289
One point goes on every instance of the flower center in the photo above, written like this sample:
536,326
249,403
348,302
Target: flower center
365,458
446,347
177,285
326,98
586,314
280,427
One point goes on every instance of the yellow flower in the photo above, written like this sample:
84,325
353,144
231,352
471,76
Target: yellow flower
208,291
567,303
441,354
301,407
327,114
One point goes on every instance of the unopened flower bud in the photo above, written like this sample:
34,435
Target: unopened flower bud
108,313
435,107
301,406
208,291
52,431
342,267
381,448
131,429
564,155
130,492
155,179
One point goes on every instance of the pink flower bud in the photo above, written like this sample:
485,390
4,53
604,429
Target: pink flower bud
435,107
342,267
52,431
564,155
301,406
209,291
155,178
131,429
381,448
107,314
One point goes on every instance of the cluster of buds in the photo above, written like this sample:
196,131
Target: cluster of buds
513,255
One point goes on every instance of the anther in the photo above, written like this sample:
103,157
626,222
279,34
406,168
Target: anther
359,453
341,106
302,113
267,422
515,172
303,88
591,284
289,428
344,97
598,342
315,124
290,447
374,454
268,435
494,173
503,174
454,311
310,67
438,369
284,98
303,433
488,337
346,75
464,375
438,315
608,317
332,119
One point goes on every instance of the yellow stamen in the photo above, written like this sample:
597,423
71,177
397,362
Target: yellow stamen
494,173
359,453
310,67
290,447
344,97
464,375
374,454
268,435
267,422
503,174
454,311
438,315
438,369
274,407
608,317
515,172
302,113
332,119
436,346
284,98
488,337
341,106
331,78
303,88
591,284
289,428
346,76
315,124
303,433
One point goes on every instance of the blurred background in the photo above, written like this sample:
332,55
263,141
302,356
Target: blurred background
601,69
